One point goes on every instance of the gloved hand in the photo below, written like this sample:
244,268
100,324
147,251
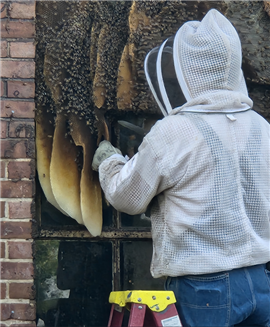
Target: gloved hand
104,151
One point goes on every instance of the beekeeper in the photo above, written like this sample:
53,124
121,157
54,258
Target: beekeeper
205,169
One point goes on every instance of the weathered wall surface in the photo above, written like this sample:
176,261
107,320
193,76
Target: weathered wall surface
17,163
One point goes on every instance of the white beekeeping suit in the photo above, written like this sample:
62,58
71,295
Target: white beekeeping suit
205,166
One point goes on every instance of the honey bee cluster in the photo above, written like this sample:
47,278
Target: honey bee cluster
63,71
90,54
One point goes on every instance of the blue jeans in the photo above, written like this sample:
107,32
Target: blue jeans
239,297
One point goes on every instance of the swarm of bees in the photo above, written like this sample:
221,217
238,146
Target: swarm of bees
90,57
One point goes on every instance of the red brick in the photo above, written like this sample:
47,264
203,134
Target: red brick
20,250
3,290
13,149
16,270
3,205
20,169
20,210
14,229
20,89
17,109
3,7
2,249
17,29
21,128
3,88
21,291
17,189
3,128
22,10
4,49
20,311
3,169
18,69
22,50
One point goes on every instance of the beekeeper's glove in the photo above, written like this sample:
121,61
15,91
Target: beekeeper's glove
104,151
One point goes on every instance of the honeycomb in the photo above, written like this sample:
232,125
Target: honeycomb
90,57
89,71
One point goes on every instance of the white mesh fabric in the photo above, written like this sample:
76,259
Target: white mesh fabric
206,178
207,58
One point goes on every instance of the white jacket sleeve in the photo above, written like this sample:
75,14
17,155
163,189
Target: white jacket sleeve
129,186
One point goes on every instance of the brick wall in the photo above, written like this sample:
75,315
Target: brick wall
17,163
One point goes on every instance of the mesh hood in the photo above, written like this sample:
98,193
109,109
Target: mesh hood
207,60
161,77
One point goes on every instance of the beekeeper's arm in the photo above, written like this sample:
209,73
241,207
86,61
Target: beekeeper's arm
129,186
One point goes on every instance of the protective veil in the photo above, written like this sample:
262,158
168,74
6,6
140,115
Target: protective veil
204,167
161,77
